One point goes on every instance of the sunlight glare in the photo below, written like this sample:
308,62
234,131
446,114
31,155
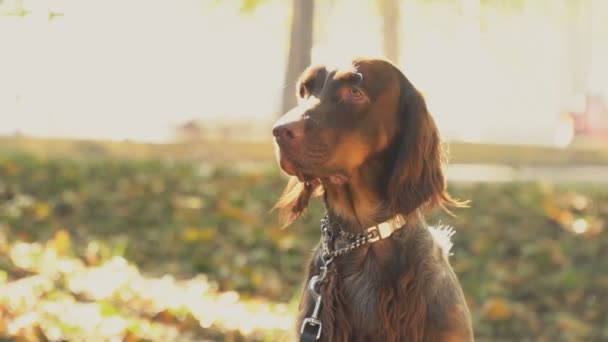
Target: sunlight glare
489,74
580,226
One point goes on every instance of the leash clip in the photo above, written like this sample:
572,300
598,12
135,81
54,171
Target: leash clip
312,324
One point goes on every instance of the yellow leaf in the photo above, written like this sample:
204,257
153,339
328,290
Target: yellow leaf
498,309
61,241
42,210
191,234
130,336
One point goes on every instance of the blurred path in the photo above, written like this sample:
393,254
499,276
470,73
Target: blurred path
495,173
505,173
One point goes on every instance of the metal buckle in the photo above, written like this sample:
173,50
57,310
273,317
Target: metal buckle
382,231
313,323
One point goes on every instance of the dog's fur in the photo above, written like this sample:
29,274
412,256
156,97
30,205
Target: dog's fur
362,138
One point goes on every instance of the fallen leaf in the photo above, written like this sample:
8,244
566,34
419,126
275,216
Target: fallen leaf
61,241
498,309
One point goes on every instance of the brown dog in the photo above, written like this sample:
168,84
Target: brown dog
361,137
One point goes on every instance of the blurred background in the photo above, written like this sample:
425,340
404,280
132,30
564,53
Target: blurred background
137,169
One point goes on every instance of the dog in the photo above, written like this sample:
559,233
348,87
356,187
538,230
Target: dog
362,139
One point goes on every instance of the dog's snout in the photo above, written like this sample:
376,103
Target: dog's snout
289,131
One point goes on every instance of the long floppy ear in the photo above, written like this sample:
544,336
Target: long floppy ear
416,179
294,200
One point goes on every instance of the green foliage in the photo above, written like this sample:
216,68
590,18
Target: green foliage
248,6
173,217
531,257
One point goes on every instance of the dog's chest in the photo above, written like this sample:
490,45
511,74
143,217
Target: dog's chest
362,300
362,296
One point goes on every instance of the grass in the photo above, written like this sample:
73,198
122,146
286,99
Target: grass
151,250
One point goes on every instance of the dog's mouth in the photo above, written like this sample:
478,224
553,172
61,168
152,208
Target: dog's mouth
292,168
295,168
288,165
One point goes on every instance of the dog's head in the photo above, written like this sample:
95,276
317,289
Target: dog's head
347,116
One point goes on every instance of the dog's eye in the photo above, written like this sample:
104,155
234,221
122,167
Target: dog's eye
354,93
351,93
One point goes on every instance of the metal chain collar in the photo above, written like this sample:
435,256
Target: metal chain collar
358,240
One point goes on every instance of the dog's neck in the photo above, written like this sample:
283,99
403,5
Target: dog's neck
359,203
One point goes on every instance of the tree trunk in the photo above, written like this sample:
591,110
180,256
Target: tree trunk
390,29
299,49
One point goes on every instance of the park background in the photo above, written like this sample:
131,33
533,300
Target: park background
137,170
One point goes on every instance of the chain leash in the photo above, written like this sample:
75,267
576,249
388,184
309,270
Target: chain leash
311,328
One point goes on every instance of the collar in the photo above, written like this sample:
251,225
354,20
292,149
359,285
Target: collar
370,235
386,228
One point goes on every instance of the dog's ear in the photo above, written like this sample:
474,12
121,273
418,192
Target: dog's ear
416,179
294,200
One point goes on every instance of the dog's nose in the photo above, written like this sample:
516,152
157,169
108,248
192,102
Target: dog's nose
289,131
